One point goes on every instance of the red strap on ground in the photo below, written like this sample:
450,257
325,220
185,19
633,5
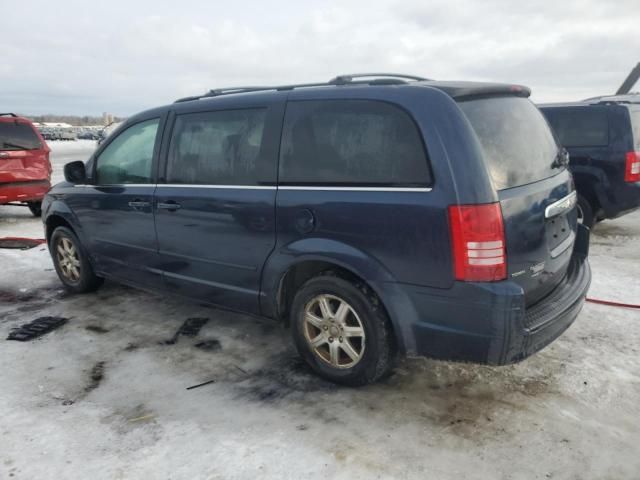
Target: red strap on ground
20,242
612,304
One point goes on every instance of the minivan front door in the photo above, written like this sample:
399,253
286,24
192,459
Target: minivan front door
115,210
215,214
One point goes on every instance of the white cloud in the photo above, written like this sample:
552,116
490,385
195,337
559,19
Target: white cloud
126,56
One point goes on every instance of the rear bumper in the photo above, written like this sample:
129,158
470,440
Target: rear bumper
29,191
489,323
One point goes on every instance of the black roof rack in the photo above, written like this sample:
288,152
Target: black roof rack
348,79
631,97
8,114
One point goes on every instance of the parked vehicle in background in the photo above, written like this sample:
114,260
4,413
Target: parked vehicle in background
25,170
375,214
602,136
67,134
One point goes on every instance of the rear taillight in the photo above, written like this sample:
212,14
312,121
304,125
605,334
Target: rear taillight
477,236
632,169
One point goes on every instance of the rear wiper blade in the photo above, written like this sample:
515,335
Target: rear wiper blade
15,145
561,160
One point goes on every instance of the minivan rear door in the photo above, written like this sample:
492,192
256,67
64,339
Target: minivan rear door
534,187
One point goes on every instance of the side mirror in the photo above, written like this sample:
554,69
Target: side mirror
74,172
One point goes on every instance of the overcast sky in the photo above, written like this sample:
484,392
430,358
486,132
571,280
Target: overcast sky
86,57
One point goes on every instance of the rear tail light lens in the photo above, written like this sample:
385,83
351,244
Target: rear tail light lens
478,242
632,170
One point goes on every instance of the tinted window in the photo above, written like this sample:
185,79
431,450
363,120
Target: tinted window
219,148
518,145
18,136
634,112
353,142
579,127
128,158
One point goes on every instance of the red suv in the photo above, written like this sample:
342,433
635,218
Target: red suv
25,170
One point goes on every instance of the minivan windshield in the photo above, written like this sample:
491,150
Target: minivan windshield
18,136
517,142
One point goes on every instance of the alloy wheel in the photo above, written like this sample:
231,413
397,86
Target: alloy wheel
68,259
334,331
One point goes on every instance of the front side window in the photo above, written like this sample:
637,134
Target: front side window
129,157
351,142
579,127
217,148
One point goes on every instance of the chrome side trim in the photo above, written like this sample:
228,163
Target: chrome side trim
119,185
358,189
226,187
267,187
561,206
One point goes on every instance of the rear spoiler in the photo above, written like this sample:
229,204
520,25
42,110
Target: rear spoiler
468,90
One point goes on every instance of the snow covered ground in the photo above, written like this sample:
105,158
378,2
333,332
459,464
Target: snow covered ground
103,397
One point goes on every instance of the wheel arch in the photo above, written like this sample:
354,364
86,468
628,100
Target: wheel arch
590,183
285,273
60,215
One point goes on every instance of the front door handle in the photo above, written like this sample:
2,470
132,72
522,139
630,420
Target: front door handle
170,205
139,204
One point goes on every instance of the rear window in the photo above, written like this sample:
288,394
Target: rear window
518,145
351,142
18,136
579,127
635,125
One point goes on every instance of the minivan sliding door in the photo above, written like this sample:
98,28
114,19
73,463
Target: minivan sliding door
215,211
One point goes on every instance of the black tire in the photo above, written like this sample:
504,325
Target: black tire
378,354
87,280
585,212
36,208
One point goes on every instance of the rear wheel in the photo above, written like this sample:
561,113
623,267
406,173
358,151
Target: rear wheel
36,208
71,262
342,331
585,212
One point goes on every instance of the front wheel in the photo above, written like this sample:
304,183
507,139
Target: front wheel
71,262
342,331
36,208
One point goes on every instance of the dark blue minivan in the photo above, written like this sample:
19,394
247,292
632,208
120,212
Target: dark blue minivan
375,215
602,136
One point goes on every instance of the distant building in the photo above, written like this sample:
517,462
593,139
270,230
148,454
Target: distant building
107,118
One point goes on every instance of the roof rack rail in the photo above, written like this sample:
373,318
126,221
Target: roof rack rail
631,97
8,114
377,79
348,78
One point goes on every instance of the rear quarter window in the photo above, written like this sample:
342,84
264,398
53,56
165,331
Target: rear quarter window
579,127
18,136
351,142
518,145
634,113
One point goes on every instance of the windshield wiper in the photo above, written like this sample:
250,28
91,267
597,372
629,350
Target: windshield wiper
561,159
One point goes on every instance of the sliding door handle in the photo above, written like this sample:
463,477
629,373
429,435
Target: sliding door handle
170,205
